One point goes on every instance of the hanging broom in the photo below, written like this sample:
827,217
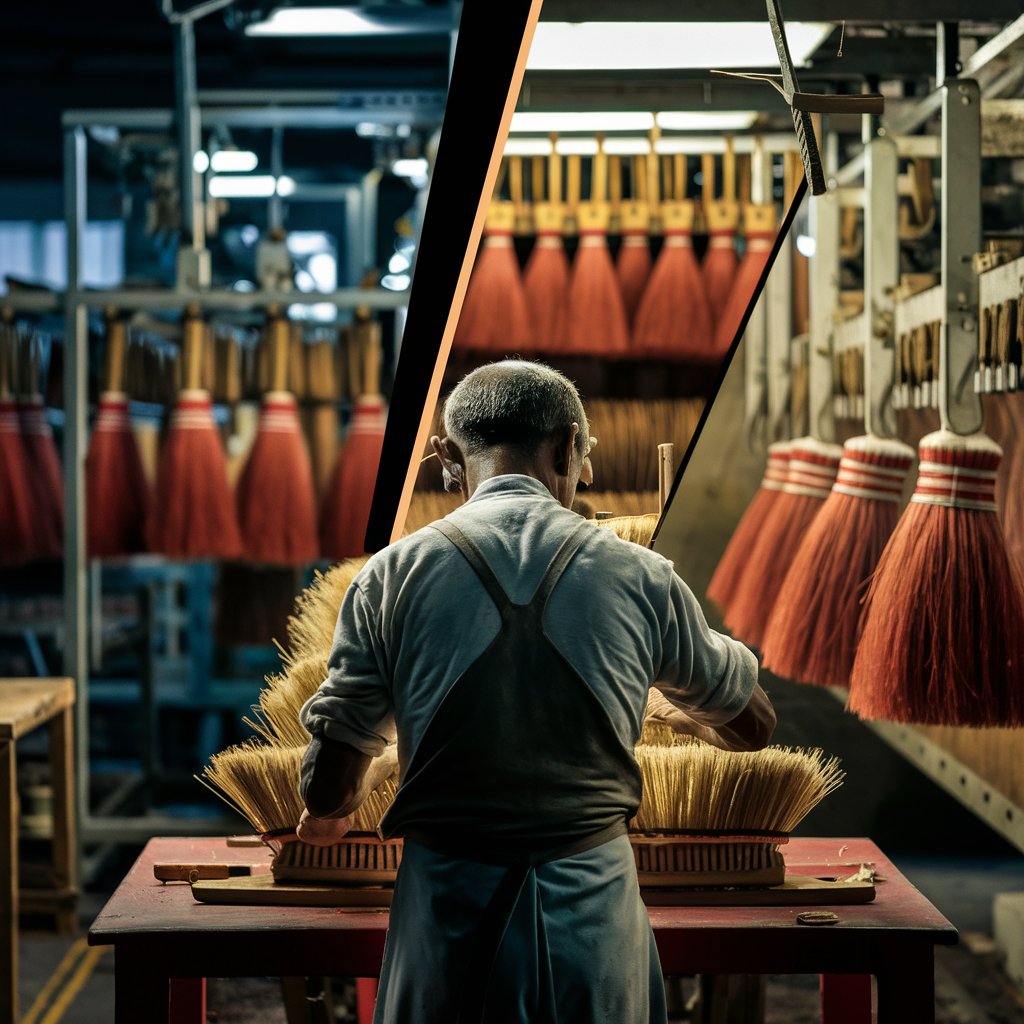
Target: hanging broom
595,314
733,563
546,278
720,263
323,416
345,511
812,469
759,236
42,459
633,265
17,507
116,491
275,494
193,513
495,317
673,320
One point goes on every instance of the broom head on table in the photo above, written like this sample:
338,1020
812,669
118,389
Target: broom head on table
943,631
815,625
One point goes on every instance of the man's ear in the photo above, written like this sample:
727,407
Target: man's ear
452,462
564,450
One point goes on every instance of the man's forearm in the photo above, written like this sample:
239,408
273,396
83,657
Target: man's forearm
337,778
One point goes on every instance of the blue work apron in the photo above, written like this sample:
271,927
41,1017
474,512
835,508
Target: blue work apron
517,900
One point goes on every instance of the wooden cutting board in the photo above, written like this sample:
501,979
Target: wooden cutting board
797,890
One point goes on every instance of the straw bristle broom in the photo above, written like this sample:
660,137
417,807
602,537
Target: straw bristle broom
41,458
815,625
595,321
193,512
673,320
495,317
759,237
633,263
721,264
345,510
733,563
17,507
275,493
116,490
546,277
810,474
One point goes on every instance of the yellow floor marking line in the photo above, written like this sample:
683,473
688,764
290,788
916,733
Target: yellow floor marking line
64,968
75,984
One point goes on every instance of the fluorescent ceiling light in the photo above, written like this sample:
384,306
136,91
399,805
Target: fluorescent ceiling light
704,120
627,46
239,186
576,147
348,21
589,121
412,167
201,161
528,147
285,185
243,160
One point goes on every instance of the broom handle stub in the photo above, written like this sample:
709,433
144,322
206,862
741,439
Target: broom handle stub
279,343
729,171
371,358
193,343
554,173
666,471
537,173
707,173
599,174
117,344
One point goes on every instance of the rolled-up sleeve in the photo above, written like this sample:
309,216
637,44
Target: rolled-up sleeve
353,704
708,676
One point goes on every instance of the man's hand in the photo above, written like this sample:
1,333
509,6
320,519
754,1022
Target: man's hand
322,831
751,729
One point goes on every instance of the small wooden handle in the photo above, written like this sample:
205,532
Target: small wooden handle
537,173
515,179
193,356
278,341
680,177
117,346
729,171
653,186
190,872
666,470
371,357
599,174
638,180
615,180
554,173
572,183
707,172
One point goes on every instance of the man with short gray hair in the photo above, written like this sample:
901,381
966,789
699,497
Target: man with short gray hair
511,647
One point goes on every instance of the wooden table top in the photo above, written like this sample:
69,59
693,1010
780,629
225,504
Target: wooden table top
26,704
142,906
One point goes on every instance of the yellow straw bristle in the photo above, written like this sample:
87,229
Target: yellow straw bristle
635,529
698,787
311,628
276,716
661,734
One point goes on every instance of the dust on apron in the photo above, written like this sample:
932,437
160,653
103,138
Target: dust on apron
558,784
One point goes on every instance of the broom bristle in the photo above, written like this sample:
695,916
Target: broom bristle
943,631
494,316
277,713
811,472
193,514
595,314
17,509
733,563
276,497
311,628
759,247
814,627
45,477
673,320
116,492
697,787
633,268
546,285
345,511
635,529
719,270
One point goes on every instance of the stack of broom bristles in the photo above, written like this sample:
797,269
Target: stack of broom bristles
696,787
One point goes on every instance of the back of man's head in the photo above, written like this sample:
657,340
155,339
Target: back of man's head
514,404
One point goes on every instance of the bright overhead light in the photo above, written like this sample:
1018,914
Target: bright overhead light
625,146
238,160
583,121
654,45
576,147
242,186
528,147
705,120
412,167
347,21
201,161
285,185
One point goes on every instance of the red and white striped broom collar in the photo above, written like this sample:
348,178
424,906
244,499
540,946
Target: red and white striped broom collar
813,466
777,468
958,471
874,468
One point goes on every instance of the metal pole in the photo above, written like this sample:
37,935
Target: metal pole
76,356
824,299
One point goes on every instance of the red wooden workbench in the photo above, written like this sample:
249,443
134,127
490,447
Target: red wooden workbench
160,933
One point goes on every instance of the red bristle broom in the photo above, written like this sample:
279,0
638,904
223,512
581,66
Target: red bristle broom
633,264
17,506
815,625
812,469
595,313
116,491
720,264
494,316
275,493
733,562
42,459
759,230
673,320
345,511
193,515
546,277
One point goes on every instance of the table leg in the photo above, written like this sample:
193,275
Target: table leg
140,993
65,849
366,999
906,988
188,1001
846,999
8,884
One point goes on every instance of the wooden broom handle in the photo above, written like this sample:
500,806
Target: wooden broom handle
729,171
371,358
515,180
707,173
680,179
117,345
638,181
599,174
279,343
666,177
653,183
537,179
193,343
572,181
554,173
615,180
666,470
